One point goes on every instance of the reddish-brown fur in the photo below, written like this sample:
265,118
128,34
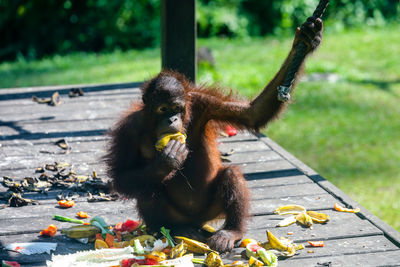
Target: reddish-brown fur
185,189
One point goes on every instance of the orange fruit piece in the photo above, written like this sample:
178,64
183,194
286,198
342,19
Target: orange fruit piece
82,215
247,241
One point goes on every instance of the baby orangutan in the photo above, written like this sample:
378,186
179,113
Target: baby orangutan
184,184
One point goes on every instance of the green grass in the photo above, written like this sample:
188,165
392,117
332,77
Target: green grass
348,131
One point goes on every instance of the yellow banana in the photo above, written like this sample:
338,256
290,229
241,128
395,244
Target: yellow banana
164,139
208,228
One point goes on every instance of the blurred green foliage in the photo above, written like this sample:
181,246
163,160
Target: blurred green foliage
34,28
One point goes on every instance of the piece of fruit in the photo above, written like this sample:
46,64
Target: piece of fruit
81,231
213,260
318,216
164,139
285,246
251,249
130,225
5,263
230,131
287,221
118,227
268,257
304,219
194,245
289,209
254,262
137,247
51,230
99,244
146,240
82,215
316,243
247,241
157,256
340,208
66,203
109,240
208,228
178,251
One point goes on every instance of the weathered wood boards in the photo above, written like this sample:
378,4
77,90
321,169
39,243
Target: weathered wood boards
274,178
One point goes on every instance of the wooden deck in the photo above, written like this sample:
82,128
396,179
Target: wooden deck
29,130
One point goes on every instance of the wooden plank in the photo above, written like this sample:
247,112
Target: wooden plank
266,192
252,157
51,208
241,136
178,36
50,141
46,128
83,163
276,181
346,246
89,153
341,225
111,213
311,202
268,166
44,91
389,258
243,146
101,107
117,96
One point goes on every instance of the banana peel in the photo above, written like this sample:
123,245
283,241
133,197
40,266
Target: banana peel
304,219
301,215
194,245
287,248
213,260
287,221
164,139
318,216
290,209
178,251
254,262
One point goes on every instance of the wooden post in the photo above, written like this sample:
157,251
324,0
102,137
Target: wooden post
178,36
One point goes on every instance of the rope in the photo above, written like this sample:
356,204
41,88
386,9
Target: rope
301,49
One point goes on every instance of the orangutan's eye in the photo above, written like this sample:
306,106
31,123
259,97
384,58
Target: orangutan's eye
177,108
162,109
